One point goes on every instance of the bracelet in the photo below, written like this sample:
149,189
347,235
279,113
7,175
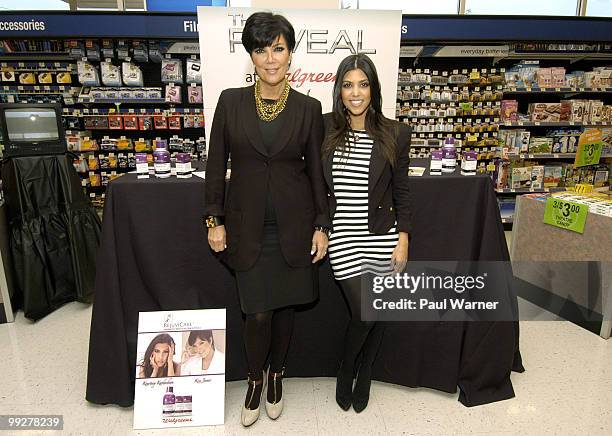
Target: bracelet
211,221
323,229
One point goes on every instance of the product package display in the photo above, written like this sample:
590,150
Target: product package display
194,94
173,93
115,122
140,51
8,76
540,145
111,74
545,112
449,156
552,176
142,166
537,177
509,110
108,49
469,162
521,177
27,78
123,50
93,50
172,71
183,165
76,49
88,74
45,78
174,122
142,145
145,122
435,166
160,122
132,75
194,73
161,159
130,122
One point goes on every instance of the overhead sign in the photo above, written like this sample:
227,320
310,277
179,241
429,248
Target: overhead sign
589,148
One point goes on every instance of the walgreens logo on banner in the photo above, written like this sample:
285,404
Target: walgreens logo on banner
25,26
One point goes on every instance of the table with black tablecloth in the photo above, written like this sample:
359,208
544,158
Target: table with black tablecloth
154,256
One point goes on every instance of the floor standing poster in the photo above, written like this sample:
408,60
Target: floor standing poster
180,369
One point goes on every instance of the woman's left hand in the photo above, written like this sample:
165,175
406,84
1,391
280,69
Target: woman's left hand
319,246
399,257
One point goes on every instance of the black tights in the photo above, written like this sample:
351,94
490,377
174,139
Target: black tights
268,332
362,338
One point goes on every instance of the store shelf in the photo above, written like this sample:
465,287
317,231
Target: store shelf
520,90
551,124
527,190
86,100
542,156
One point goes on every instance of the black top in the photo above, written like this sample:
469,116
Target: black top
269,132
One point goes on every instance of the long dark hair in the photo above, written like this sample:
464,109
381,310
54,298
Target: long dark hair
381,129
163,338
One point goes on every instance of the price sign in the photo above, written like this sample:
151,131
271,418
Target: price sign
589,148
565,214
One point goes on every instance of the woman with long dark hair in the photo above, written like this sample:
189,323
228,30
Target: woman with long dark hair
272,225
365,161
158,360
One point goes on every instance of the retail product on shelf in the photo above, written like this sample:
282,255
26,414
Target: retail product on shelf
194,71
131,74
88,74
194,94
509,110
111,74
173,93
598,203
172,71
552,176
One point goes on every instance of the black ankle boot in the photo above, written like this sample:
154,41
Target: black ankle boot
344,388
361,393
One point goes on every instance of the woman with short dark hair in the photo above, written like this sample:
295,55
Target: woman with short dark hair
202,357
365,159
272,226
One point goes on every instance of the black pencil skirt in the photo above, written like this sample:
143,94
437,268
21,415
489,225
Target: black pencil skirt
272,283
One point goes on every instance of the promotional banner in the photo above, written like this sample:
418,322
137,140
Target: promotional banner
180,369
323,38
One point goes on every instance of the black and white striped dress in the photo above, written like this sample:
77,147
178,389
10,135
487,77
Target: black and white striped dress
351,244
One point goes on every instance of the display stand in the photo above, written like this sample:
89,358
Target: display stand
6,272
562,271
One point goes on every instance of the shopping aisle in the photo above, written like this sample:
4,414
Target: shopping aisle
564,391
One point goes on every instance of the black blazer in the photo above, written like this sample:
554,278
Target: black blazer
388,187
293,174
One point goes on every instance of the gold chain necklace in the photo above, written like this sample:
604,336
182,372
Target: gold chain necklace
269,111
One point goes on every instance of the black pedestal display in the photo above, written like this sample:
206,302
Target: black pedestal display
54,233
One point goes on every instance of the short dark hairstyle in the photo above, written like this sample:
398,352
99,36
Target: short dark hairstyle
205,335
262,28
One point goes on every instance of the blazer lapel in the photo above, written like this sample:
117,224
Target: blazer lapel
251,120
377,165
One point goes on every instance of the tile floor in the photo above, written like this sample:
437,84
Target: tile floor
566,390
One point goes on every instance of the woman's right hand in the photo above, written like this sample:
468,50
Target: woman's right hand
154,366
216,238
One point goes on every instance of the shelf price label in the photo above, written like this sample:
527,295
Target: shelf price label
565,214
589,148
